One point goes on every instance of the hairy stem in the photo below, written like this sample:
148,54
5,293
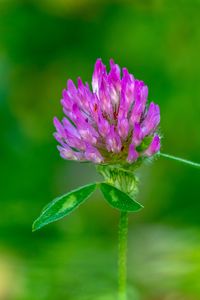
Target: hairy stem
185,161
122,258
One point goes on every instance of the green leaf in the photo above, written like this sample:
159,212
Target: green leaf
118,199
63,205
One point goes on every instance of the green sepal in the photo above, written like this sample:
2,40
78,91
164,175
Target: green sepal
118,199
145,143
63,205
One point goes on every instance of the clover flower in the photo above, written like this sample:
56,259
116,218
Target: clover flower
114,127
110,124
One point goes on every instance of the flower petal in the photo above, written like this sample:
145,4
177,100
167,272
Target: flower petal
132,154
154,147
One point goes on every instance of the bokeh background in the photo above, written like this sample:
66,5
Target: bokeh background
42,44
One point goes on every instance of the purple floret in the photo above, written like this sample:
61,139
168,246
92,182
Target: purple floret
111,123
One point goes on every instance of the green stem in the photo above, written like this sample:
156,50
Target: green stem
185,161
122,258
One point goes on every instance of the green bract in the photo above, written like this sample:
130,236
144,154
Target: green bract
118,189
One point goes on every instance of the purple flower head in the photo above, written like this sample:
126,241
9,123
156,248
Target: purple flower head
111,123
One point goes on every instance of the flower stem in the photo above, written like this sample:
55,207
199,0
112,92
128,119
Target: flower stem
122,258
185,161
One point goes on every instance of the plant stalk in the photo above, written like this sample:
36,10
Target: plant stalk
182,160
122,256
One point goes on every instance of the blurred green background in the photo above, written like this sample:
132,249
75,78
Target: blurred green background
42,44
